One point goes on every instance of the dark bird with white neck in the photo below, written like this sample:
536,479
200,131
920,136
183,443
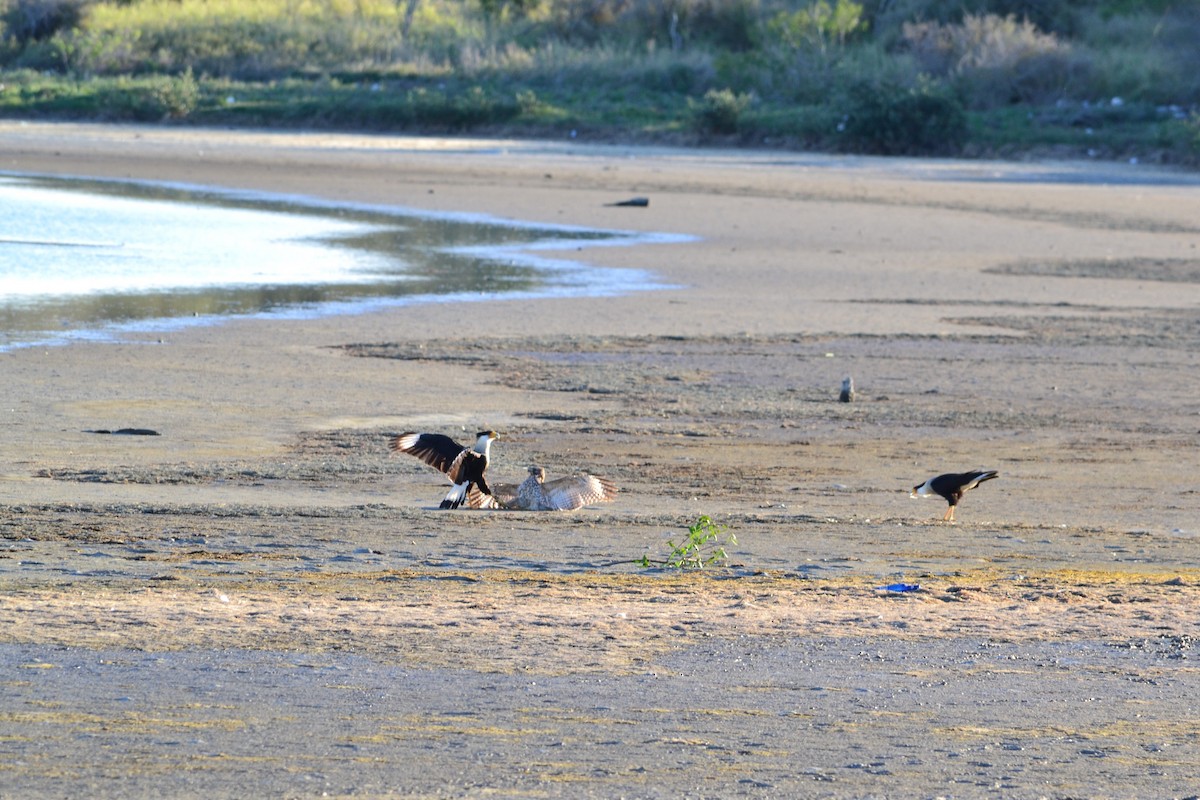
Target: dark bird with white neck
952,486
464,466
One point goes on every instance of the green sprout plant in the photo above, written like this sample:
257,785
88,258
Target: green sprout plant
704,546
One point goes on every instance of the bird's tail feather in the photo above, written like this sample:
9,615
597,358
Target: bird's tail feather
456,496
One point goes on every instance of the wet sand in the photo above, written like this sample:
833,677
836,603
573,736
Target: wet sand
263,600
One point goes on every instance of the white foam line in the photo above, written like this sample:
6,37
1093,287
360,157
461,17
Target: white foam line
58,243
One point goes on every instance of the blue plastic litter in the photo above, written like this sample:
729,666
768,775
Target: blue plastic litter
899,587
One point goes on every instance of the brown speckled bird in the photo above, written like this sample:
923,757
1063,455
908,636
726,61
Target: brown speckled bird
535,493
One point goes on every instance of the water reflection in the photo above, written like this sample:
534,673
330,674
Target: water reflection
87,259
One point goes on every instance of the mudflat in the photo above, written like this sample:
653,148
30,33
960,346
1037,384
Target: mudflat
263,601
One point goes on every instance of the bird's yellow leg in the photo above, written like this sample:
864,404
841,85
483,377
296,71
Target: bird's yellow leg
949,515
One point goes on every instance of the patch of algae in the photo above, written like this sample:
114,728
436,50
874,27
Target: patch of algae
532,622
126,722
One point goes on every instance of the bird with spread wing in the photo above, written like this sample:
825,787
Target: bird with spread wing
464,466
536,493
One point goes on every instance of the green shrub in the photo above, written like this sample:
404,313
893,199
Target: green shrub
720,111
138,99
704,546
994,60
177,96
887,118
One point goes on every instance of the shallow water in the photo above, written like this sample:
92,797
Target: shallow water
92,259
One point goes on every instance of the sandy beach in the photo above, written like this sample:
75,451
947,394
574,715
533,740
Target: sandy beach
263,601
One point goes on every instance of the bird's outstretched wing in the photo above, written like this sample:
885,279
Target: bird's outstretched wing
503,496
577,491
438,451
560,494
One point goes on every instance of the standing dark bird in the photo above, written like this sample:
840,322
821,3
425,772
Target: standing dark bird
463,465
952,486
